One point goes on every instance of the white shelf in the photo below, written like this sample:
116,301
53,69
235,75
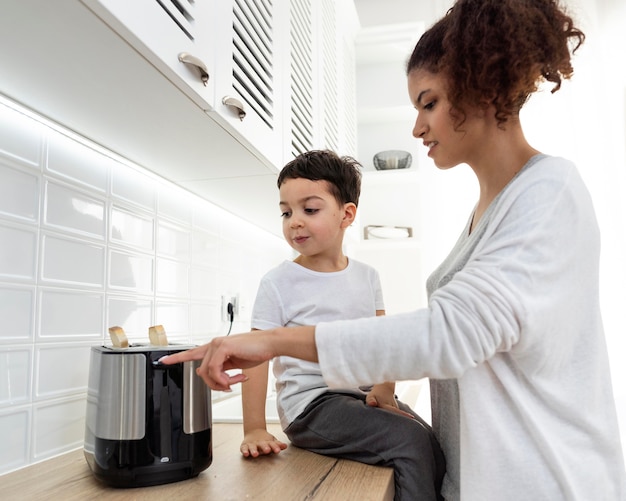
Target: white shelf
401,176
387,243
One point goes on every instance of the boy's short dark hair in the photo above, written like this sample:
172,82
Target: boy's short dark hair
343,174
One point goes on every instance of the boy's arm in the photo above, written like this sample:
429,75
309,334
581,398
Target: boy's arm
257,440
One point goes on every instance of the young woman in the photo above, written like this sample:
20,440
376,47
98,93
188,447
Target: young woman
512,337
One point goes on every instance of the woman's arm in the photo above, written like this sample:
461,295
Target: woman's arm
243,351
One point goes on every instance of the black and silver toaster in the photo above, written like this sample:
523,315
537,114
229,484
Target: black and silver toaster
146,423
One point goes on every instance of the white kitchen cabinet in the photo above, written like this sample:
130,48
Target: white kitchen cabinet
322,90
338,26
223,54
301,99
109,70
176,37
249,36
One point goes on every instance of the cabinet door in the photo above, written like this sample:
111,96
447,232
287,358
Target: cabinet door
249,67
173,35
338,26
322,93
303,105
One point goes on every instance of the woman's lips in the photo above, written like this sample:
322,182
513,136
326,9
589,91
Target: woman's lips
431,145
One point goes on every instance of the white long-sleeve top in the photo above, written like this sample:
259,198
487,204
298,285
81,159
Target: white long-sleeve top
513,342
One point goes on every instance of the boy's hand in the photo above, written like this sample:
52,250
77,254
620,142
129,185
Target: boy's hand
260,442
383,396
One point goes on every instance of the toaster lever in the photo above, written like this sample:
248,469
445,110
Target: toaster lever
156,364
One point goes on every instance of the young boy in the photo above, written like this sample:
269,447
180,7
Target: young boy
319,194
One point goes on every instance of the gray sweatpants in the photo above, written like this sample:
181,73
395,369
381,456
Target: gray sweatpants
341,425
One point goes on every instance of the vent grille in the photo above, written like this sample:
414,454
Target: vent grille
330,110
302,73
253,56
350,120
182,13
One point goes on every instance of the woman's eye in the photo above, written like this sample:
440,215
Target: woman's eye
430,105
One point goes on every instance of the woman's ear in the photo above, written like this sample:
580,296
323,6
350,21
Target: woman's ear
349,214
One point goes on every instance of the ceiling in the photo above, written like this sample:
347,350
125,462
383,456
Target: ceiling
376,13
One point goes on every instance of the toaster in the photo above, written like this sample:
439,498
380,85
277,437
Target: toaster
146,423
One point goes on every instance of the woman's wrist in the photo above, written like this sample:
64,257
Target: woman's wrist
296,342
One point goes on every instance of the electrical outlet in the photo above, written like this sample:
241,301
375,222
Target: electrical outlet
234,301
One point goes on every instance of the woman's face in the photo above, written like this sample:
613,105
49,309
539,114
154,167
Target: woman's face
435,125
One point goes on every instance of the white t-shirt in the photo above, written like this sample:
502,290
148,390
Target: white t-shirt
513,342
292,295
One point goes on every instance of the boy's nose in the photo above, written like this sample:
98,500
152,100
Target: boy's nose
296,222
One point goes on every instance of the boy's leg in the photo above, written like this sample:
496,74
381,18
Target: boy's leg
342,425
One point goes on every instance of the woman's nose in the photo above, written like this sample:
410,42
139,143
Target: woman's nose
419,128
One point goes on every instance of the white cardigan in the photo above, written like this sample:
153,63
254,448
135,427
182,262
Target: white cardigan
513,342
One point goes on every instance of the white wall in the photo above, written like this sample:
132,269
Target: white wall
88,241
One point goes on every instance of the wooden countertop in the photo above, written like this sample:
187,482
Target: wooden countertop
292,475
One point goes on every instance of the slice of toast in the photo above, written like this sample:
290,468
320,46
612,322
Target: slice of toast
118,337
157,335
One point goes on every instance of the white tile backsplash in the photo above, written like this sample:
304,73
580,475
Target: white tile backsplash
205,319
134,313
19,192
18,252
20,136
203,282
174,316
69,210
172,278
173,242
174,204
17,313
72,261
207,217
89,241
132,229
58,426
131,271
204,248
76,162
16,438
15,375
70,315
133,186
55,376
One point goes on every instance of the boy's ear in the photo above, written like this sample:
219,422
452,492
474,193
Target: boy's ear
349,214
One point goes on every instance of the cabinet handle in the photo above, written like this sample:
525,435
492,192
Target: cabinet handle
235,103
186,58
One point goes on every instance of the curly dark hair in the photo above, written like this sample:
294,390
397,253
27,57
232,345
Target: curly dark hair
343,174
498,52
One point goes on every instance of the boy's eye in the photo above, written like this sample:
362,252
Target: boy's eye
310,211
285,214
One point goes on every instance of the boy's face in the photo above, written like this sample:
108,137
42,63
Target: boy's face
313,220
